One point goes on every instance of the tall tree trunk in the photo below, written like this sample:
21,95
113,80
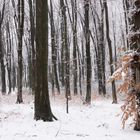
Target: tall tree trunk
88,57
14,82
110,51
2,52
20,44
103,50
80,71
29,66
54,49
62,9
32,33
135,45
2,66
9,52
66,52
74,17
99,47
65,47
42,102
115,45
73,21
126,7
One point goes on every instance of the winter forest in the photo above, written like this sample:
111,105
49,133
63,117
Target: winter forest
69,69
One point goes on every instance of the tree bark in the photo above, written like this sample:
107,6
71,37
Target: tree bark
134,39
88,57
110,51
19,51
42,102
9,53
33,53
3,78
54,50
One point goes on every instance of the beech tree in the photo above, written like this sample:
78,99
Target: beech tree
113,86
99,46
54,48
134,37
65,56
42,102
32,43
9,56
3,78
20,45
88,57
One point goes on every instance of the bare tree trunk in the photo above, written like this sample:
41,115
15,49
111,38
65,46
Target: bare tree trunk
74,29
32,32
115,45
1,51
80,71
54,49
42,102
2,66
135,45
20,44
126,12
103,50
14,81
9,53
73,22
62,9
99,47
66,52
88,57
110,51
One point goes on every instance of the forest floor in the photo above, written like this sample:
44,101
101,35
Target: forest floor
99,121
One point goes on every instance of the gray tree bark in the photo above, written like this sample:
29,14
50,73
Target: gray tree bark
110,51
88,57
3,78
20,45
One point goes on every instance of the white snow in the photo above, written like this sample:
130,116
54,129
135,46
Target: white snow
99,121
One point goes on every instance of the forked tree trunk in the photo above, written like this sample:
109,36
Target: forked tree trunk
114,97
55,79
73,21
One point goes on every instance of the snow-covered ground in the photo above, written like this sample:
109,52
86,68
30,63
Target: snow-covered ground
99,121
